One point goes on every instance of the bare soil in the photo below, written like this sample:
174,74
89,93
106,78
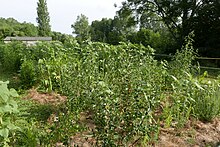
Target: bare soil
45,98
194,134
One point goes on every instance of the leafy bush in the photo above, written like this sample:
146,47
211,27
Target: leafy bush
180,85
207,101
123,87
28,74
114,83
183,60
43,64
51,71
8,107
12,55
189,95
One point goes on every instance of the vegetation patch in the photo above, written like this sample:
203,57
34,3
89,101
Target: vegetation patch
103,95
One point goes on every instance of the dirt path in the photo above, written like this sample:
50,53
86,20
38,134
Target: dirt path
194,134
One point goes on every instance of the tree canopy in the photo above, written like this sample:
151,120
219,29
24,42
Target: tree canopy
11,27
181,17
43,19
81,28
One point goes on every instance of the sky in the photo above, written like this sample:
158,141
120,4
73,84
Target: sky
62,13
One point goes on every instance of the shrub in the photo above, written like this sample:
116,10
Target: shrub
8,108
207,101
182,61
189,95
181,85
115,84
12,55
28,73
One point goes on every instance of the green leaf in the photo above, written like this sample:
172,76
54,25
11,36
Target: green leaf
1,82
4,132
40,61
13,103
1,111
109,91
7,108
1,120
46,82
175,79
4,96
4,92
11,126
13,93
198,86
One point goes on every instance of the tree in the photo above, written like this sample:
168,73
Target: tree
100,30
207,27
180,16
29,29
43,19
112,31
11,27
81,28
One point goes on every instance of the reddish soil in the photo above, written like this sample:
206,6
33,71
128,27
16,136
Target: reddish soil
194,134
45,98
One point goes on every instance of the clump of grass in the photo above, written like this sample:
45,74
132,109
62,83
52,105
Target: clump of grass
207,102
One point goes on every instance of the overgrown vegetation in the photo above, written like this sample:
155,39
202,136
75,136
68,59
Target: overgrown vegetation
127,93
106,83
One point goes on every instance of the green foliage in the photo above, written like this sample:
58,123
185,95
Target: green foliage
207,27
189,96
43,18
11,56
148,37
122,87
50,72
182,86
100,30
28,75
8,107
11,27
183,60
64,127
152,21
207,104
51,65
81,28
112,31
192,97
180,18
114,84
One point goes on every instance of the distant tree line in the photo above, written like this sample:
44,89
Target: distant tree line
11,27
123,28
180,18
161,24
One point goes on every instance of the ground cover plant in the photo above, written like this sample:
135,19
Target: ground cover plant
8,108
126,93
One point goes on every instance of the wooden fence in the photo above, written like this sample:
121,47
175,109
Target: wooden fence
199,58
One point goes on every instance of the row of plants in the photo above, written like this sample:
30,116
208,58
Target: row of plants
126,91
